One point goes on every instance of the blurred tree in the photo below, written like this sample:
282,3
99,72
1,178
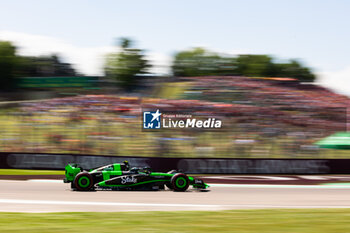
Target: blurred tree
44,66
200,62
125,65
254,65
8,62
295,70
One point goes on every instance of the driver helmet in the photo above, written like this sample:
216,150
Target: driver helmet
147,170
127,166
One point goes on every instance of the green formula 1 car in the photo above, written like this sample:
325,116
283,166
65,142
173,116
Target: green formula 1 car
119,176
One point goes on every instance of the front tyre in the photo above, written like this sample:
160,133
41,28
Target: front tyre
179,182
83,182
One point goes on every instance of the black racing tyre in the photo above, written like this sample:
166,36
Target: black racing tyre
180,182
83,182
72,185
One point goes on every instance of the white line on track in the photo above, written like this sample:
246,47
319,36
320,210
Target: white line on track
50,202
47,181
277,186
212,207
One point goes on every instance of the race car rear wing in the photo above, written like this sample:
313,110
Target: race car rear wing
71,170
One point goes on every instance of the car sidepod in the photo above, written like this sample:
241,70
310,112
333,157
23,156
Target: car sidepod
141,181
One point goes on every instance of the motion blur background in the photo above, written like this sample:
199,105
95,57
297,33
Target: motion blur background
75,77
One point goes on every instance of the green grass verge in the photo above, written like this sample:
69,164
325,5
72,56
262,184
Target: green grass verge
303,220
29,172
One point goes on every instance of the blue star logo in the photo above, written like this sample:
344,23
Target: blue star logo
151,120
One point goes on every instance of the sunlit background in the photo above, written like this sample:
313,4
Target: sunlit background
80,75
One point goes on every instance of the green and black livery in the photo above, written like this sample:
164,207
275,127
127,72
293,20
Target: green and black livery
119,176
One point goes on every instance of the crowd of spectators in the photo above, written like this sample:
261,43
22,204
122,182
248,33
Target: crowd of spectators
261,118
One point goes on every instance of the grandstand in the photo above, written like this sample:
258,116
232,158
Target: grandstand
262,118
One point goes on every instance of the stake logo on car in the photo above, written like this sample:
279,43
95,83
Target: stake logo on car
128,179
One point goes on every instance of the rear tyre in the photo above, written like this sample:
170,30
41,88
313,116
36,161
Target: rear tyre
83,182
179,182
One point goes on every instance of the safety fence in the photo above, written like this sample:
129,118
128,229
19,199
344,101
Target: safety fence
188,165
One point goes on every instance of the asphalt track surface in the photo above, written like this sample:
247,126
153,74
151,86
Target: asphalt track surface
54,196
